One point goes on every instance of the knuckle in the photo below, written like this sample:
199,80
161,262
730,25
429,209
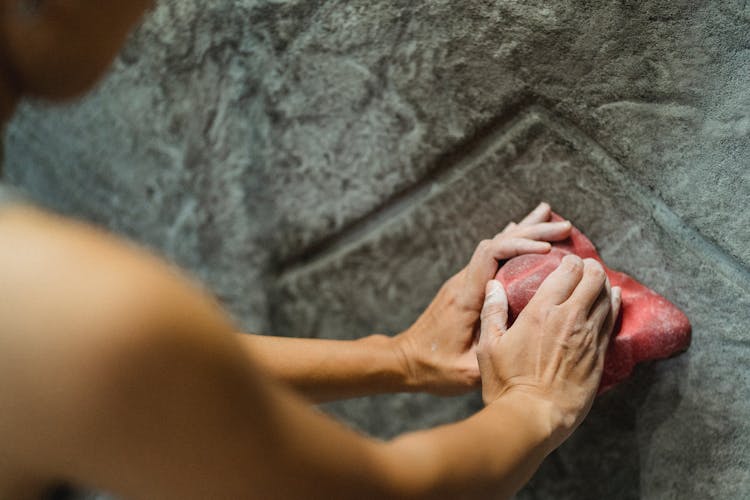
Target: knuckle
572,263
594,268
484,246
492,311
450,294
512,227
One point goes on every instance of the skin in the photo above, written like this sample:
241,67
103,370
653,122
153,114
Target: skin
118,373
437,354
57,49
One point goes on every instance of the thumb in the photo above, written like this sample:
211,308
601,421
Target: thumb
494,317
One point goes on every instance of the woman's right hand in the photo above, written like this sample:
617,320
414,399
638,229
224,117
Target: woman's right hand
553,354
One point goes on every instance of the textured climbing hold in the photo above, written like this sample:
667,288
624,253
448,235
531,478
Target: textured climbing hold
649,327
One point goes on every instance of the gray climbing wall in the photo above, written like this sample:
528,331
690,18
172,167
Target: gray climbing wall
325,166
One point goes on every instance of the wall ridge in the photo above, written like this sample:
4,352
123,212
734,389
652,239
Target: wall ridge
445,164
467,156
661,213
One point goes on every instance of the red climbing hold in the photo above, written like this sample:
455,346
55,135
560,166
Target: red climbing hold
649,327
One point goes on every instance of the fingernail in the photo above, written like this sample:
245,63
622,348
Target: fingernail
494,286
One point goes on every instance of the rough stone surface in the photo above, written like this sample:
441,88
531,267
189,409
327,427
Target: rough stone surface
325,166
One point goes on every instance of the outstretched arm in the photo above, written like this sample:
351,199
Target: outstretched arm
325,370
437,354
120,375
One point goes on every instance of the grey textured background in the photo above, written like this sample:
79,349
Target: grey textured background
325,166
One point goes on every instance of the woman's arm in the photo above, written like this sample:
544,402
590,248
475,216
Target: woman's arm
120,375
539,379
325,370
437,354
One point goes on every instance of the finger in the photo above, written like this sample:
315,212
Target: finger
616,303
514,247
509,227
561,282
484,263
607,331
494,316
541,213
481,268
602,308
591,285
547,231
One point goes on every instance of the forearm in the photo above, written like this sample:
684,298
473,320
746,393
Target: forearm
325,370
171,398
490,455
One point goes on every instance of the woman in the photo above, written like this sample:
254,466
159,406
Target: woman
116,373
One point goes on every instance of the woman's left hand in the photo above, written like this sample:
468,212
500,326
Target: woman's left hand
439,349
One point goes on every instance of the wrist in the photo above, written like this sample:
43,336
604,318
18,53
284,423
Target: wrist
404,353
545,421
395,364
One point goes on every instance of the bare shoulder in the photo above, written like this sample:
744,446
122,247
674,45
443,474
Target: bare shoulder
89,324
63,266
